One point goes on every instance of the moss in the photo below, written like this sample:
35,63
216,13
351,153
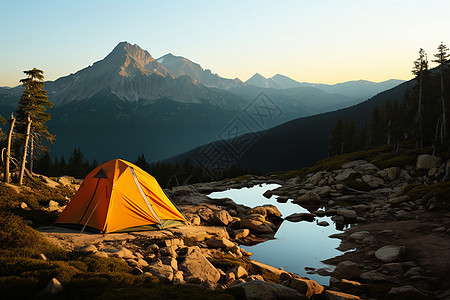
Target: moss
393,159
440,191
229,262
14,287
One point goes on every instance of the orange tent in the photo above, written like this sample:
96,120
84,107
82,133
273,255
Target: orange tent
119,196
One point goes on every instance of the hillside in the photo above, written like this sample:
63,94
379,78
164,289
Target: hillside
297,143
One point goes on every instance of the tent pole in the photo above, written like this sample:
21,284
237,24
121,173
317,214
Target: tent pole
149,205
92,212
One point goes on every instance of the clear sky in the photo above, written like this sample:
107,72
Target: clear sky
314,41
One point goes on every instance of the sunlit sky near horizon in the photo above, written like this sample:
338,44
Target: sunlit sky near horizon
310,41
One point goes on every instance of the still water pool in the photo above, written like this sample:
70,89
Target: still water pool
296,245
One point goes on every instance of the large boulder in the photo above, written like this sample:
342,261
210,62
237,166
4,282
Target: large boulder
390,253
391,173
305,286
257,224
272,210
347,270
257,210
344,174
198,269
262,290
220,243
309,197
373,181
160,270
353,164
348,214
221,218
426,162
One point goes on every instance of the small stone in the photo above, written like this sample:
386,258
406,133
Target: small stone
41,256
347,270
23,205
241,233
53,287
389,253
89,248
323,223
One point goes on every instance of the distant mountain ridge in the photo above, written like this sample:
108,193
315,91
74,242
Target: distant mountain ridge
358,89
181,66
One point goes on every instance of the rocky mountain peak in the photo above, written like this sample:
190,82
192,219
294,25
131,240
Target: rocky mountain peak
132,59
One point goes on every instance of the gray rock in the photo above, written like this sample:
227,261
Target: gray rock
221,218
89,248
219,243
305,286
389,253
168,251
241,233
297,217
268,194
238,272
261,290
391,173
198,269
54,287
426,162
373,181
354,164
399,199
257,223
178,278
24,206
359,236
347,270
41,256
323,223
347,213
272,210
344,174
53,205
374,276
257,210
309,197
406,289
170,261
393,268
160,270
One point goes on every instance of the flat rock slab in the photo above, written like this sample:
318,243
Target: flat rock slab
70,239
262,290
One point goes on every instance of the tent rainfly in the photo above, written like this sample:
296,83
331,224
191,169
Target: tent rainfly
118,196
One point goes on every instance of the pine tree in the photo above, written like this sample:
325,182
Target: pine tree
31,112
377,128
441,59
420,66
336,141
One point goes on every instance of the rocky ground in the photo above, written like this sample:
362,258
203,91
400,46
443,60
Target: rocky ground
400,240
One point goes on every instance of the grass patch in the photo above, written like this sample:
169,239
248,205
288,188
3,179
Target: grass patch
440,191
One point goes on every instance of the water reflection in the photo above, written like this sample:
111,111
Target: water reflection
297,245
